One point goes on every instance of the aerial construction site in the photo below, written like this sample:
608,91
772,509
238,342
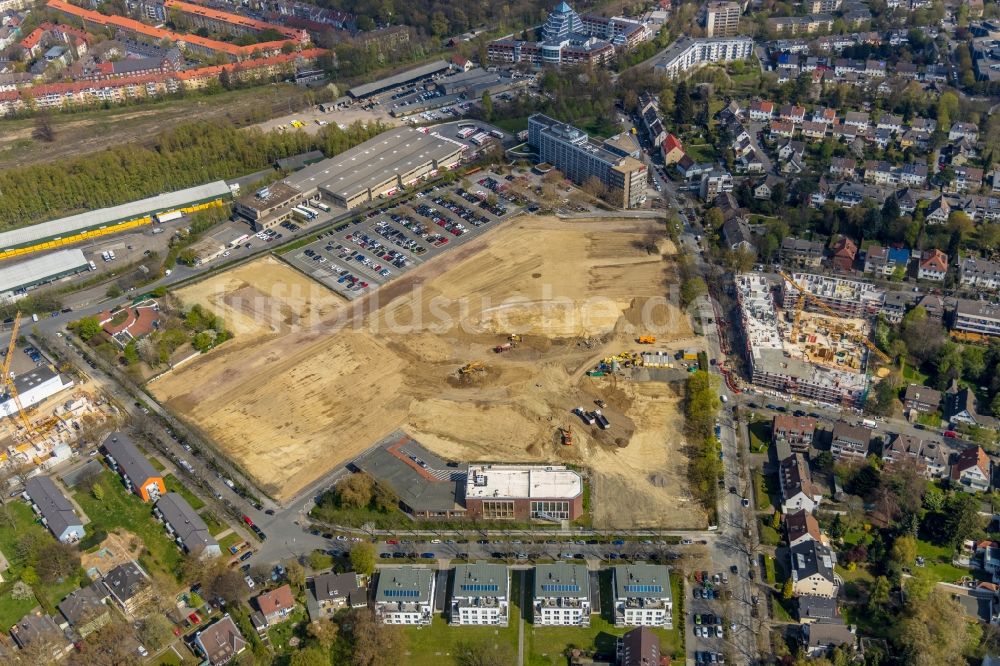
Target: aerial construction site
481,355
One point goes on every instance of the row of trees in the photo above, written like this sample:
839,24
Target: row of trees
701,406
181,157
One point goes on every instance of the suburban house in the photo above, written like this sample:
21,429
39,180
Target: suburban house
959,406
220,642
816,609
736,235
844,252
129,587
187,527
405,595
38,630
639,647
276,605
812,569
135,469
933,266
798,431
562,595
55,510
642,595
850,441
819,637
971,470
802,526
921,399
926,456
480,595
336,591
797,488
672,149
85,609
801,252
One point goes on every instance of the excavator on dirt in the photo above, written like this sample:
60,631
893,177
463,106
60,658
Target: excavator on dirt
567,435
471,367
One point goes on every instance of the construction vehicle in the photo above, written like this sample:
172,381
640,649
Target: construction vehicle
586,417
602,421
647,339
600,403
803,294
514,337
499,349
474,366
567,435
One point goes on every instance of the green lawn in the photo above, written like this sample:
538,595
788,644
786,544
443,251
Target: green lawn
938,562
769,570
512,125
214,525
760,435
158,465
122,509
930,420
175,486
230,540
912,375
765,487
702,152
280,635
780,614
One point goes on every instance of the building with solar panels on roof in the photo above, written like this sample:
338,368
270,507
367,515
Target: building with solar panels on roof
405,595
642,596
480,594
562,595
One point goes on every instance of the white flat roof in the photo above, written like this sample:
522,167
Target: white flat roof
522,481
32,271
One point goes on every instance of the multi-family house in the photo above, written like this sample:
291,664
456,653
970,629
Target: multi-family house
843,254
405,595
334,592
781,129
129,587
801,252
856,119
843,166
802,526
55,510
933,266
938,211
792,114
480,595
922,399
912,174
761,110
814,130
562,595
971,470
979,273
812,569
966,178
890,122
849,441
642,595
798,431
85,609
220,642
797,488
968,131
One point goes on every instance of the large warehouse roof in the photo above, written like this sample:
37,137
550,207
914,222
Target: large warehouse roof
95,218
398,151
398,80
40,269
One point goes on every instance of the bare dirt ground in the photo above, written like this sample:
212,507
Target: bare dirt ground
120,547
309,382
343,116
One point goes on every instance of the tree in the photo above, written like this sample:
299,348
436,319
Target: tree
483,653
311,656
878,597
44,131
318,560
98,491
594,187
87,328
904,551
363,558
713,218
683,107
296,574
692,289
487,104
155,631
787,590
934,631
21,591
884,399
324,632
374,643
218,580
57,560
355,491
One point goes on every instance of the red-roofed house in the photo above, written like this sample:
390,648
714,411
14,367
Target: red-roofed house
933,266
276,605
461,62
32,44
131,323
971,471
761,110
845,251
672,149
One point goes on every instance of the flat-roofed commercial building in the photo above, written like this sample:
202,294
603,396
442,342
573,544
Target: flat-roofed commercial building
379,167
269,206
642,596
480,594
405,595
523,492
399,80
33,387
76,228
580,158
562,595
17,278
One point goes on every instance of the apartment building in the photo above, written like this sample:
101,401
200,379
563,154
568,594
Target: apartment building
922,399
580,158
979,273
135,469
800,252
480,595
979,317
562,595
850,442
798,491
812,570
688,53
642,595
933,266
405,595
722,19
55,510
850,298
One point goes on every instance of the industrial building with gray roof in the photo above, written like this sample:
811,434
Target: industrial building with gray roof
398,80
378,167
24,275
74,224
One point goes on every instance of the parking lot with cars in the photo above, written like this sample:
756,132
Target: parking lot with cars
709,628
361,254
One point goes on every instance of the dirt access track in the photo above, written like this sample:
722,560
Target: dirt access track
309,382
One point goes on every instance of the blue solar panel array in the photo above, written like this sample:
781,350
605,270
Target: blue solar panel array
480,587
644,588
560,588
402,593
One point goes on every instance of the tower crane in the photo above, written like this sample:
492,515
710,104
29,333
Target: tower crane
803,294
8,381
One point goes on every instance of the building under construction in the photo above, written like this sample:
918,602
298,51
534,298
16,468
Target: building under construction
822,359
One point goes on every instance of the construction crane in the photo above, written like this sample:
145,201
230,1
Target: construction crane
803,294
8,381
